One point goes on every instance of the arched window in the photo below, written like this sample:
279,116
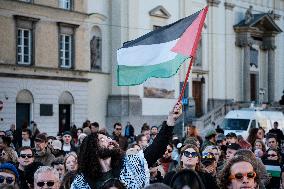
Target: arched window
96,49
25,96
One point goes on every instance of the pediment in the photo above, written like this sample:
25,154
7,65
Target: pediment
263,22
160,11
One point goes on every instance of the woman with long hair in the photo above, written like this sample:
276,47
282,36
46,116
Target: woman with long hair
259,148
190,158
252,136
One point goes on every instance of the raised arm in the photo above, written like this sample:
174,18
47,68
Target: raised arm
156,150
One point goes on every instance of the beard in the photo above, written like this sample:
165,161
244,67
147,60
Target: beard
105,153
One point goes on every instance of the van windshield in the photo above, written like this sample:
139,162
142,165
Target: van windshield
235,124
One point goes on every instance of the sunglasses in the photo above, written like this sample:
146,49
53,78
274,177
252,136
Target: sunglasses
9,180
240,176
192,154
271,155
118,129
48,183
26,155
170,151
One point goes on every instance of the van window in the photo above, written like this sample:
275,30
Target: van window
253,124
235,124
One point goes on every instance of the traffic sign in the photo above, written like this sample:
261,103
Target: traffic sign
1,105
184,101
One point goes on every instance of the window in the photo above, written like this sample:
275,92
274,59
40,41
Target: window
66,45
65,51
24,46
198,55
253,57
65,4
25,35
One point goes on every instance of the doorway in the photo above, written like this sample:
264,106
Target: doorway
197,96
253,95
23,115
64,117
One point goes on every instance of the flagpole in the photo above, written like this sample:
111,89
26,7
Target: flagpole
185,80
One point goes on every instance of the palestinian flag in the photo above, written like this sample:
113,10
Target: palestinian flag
161,52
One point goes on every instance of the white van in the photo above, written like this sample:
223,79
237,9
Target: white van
241,121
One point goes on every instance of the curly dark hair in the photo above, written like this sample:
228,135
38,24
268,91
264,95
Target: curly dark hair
88,159
223,176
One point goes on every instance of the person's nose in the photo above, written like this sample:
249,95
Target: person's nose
245,180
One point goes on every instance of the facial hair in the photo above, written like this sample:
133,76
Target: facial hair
105,153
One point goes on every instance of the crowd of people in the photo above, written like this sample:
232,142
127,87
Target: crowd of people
90,157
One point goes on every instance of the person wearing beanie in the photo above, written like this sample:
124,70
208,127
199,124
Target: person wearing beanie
210,139
67,146
8,175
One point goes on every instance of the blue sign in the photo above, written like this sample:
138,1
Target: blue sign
184,101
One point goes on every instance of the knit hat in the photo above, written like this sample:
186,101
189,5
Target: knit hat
56,144
210,133
10,167
67,133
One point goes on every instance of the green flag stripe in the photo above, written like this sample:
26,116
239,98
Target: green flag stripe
135,75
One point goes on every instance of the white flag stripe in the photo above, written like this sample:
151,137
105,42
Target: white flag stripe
146,55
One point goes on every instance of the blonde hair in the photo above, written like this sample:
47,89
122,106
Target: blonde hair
67,156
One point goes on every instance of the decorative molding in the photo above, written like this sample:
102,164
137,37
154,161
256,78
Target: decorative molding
229,6
68,25
214,3
273,15
243,40
25,18
160,11
45,77
99,16
268,43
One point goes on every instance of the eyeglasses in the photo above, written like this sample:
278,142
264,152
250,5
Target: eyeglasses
170,151
240,176
192,154
271,155
9,180
118,129
26,155
48,183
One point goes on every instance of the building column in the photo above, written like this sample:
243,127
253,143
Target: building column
246,74
269,45
245,41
